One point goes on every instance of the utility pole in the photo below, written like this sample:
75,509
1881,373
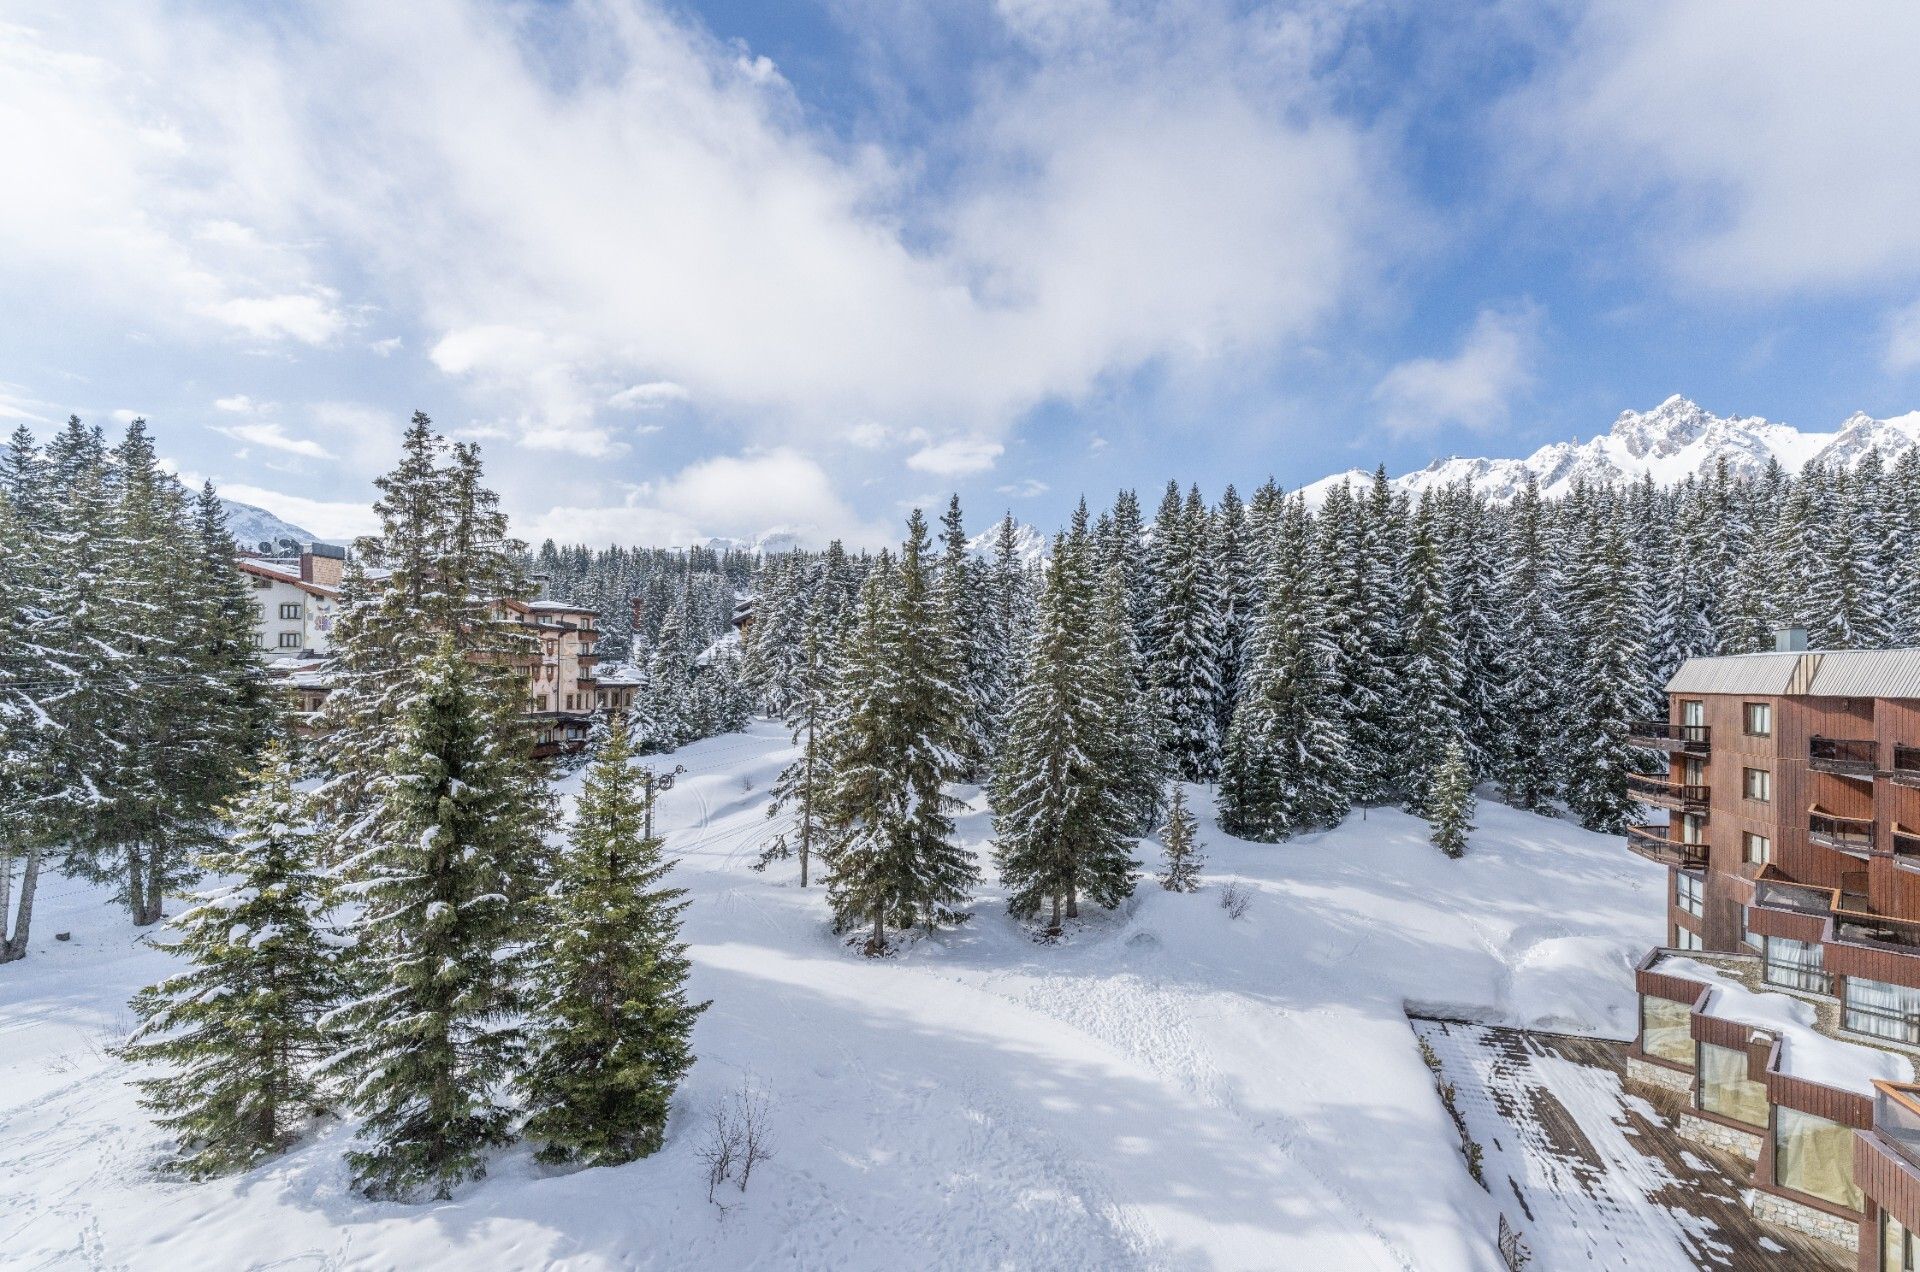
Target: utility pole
654,783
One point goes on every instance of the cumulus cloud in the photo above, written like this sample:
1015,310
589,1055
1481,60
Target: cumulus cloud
1903,339
1473,388
274,437
1025,488
650,396
1135,190
239,403
1765,146
956,457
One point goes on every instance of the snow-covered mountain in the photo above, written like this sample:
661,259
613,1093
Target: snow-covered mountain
1029,544
251,526
1676,439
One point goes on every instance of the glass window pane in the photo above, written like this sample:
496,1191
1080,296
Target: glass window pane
1815,1156
1726,1089
1664,1031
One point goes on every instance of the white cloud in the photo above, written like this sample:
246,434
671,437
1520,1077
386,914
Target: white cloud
337,522
127,415
956,457
385,348
239,403
1903,339
734,496
274,437
1025,488
1472,389
868,435
1768,146
1128,191
650,396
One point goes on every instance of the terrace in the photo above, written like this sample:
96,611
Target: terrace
1847,757
1693,739
1660,792
1851,835
1652,843
1906,765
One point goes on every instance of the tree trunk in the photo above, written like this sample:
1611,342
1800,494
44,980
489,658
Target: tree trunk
156,892
1073,903
136,883
806,806
878,941
14,944
1054,926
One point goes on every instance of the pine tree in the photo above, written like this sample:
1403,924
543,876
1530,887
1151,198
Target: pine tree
610,1021
960,623
801,787
889,820
237,1034
1286,766
1182,871
1183,643
1452,802
1528,769
1006,629
1372,689
1432,713
434,1034
1060,825
1607,673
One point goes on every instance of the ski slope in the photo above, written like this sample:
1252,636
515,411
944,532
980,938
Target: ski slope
1167,1088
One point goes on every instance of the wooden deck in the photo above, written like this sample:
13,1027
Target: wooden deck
1593,1176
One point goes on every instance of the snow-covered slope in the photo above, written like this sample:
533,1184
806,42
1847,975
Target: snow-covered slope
1168,1088
1669,443
251,526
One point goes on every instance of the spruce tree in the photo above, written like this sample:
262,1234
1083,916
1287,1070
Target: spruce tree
434,1033
1177,840
1060,826
610,1023
1432,713
1183,647
237,1035
1452,802
1007,628
800,790
1528,769
961,624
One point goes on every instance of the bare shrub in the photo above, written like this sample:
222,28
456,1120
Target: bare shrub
737,1137
1235,899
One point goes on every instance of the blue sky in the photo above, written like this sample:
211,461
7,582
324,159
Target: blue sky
690,269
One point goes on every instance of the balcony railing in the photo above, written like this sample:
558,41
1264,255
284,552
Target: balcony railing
1784,894
1851,757
1652,843
1906,765
1694,739
1661,793
1807,980
1896,1115
1843,834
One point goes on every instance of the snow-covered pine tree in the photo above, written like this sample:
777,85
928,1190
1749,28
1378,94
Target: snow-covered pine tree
236,1036
1122,546
1178,840
1845,592
1135,764
1007,627
1233,560
1432,714
670,676
29,735
1528,763
1349,618
433,1034
957,605
610,1025
1607,673
1286,768
1372,690
1452,802
1899,531
773,657
1470,550
1060,826
799,791
1183,644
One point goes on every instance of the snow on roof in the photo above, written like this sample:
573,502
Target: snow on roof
619,675
279,574
561,607
1838,673
1805,1052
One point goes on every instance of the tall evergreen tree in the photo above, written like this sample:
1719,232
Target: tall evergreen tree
1179,841
1183,641
237,1035
610,1021
1432,714
1530,689
1453,802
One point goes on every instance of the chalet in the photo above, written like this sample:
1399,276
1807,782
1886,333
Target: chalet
1791,839
294,601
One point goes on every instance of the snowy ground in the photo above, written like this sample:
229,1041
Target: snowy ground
1167,1088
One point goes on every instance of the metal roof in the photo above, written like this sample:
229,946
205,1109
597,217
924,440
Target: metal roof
1838,673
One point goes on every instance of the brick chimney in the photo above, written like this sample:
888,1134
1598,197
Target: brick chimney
322,563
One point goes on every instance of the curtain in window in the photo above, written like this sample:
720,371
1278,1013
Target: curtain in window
1664,1030
1725,1088
1883,1010
1814,1156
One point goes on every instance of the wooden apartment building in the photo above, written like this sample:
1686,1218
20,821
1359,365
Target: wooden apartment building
1792,841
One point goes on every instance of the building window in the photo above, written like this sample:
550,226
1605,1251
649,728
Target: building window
259,582
1693,829
1757,717
1726,1089
259,640
1897,1252
289,609
1689,891
1693,713
1757,849
1685,940
1794,964
1748,936
1814,1156
1665,1029
1883,1011
1756,784
289,640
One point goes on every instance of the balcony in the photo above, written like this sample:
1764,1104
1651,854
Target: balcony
1662,793
1848,757
1906,765
1851,835
1906,845
1652,843
1693,739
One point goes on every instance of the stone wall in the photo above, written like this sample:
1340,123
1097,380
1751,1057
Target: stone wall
1655,1075
1802,1218
1724,1138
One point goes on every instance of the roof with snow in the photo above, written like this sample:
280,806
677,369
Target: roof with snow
1835,673
280,574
